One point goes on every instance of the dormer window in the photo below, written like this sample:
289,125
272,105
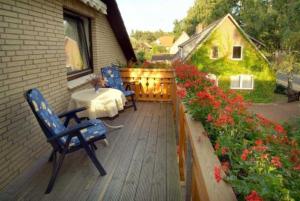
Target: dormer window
237,53
215,52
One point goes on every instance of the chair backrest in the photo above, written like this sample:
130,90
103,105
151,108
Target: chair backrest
48,120
112,77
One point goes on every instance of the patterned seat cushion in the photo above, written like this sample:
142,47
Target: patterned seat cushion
90,133
53,124
128,93
112,78
45,113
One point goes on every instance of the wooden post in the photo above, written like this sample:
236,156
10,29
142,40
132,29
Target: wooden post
189,165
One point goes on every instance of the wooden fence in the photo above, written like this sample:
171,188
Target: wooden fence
150,84
197,161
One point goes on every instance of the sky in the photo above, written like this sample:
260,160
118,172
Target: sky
152,15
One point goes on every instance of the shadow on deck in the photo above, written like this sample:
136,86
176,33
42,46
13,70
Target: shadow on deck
140,161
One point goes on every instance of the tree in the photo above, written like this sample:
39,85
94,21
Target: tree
287,63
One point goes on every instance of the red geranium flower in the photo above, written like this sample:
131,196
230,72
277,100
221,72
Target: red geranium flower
297,167
225,150
181,93
253,196
209,118
276,161
217,146
218,176
245,154
279,129
264,156
225,166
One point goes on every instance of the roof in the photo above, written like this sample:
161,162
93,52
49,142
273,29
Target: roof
96,4
166,41
116,22
197,39
203,34
162,57
181,39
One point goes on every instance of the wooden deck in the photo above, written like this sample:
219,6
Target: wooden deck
140,161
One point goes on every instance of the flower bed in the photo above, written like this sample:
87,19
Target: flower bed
259,158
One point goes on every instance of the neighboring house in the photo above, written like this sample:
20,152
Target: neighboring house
162,58
165,41
182,38
224,49
53,46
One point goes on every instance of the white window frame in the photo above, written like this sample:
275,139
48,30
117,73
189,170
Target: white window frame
242,50
212,51
241,82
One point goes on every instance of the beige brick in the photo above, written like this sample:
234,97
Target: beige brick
15,63
10,47
16,74
13,25
13,20
19,58
23,5
12,69
13,31
10,36
13,42
20,10
26,17
8,13
10,53
3,24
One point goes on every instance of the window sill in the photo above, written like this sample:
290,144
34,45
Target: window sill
242,88
72,84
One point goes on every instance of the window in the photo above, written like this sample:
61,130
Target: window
237,53
77,44
215,52
242,82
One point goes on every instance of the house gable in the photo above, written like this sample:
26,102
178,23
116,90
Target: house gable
225,36
228,25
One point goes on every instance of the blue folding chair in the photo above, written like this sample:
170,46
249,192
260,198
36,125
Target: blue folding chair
64,139
111,75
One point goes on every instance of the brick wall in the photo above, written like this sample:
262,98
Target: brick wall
32,55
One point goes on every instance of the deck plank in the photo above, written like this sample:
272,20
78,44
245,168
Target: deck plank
158,189
141,164
143,192
131,182
114,188
173,189
100,187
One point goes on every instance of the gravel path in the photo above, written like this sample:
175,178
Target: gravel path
279,112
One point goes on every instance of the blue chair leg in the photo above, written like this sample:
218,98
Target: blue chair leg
133,102
92,156
51,156
56,168
94,146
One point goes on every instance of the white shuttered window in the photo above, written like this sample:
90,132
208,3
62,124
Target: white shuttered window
242,82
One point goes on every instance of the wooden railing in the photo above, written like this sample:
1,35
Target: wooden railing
197,161
150,84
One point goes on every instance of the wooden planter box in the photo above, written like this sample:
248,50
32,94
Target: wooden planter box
197,161
150,84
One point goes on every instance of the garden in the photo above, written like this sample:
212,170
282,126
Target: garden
259,158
